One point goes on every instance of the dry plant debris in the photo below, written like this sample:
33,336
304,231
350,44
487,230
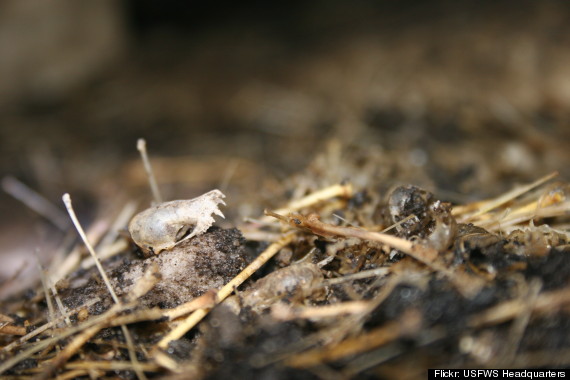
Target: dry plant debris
344,280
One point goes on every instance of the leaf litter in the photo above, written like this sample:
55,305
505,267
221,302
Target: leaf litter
355,275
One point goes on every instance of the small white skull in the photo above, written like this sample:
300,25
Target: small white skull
165,225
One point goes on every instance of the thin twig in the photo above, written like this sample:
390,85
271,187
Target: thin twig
206,300
43,277
284,312
407,324
378,272
486,206
46,326
515,217
67,201
546,302
110,365
60,305
141,146
128,338
339,190
7,329
35,202
6,318
398,223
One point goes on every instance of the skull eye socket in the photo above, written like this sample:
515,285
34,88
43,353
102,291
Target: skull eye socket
184,231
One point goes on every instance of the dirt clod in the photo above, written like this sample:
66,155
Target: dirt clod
187,271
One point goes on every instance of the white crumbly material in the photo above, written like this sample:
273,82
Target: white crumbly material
163,226
188,270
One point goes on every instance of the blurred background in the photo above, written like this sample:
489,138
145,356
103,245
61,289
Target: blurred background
467,98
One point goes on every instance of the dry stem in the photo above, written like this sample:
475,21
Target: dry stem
141,146
489,205
545,303
128,338
35,202
7,329
284,312
45,327
408,324
338,190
